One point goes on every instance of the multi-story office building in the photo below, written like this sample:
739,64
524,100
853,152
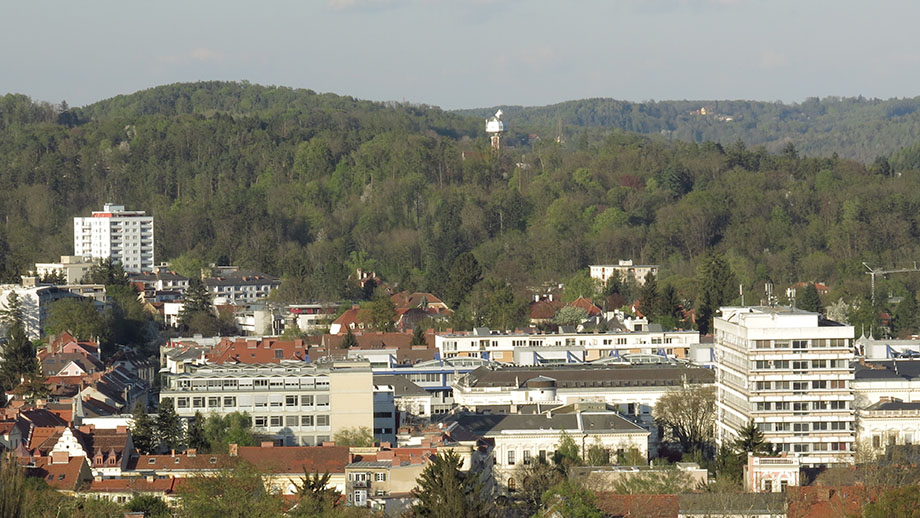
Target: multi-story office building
531,348
297,403
790,372
114,233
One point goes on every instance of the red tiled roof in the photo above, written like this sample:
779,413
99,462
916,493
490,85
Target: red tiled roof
266,350
201,461
63,476
134,485
827,501
404,299
544,309
353,316
294,459
582,303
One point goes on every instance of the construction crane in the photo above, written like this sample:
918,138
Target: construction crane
873,273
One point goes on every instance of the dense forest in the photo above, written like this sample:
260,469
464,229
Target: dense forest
857,128
310,186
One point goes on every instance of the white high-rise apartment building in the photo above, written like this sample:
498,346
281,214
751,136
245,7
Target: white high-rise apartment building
123,235
790,372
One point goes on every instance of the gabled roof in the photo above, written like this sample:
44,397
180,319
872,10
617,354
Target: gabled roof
404,299
590,308
166,486
402,387
67,476
646,506
544,309
266,350
294,459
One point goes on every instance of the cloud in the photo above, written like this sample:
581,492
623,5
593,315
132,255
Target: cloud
770,59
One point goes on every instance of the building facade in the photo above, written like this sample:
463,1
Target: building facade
114,233
523,348
295,402
790,372
625,269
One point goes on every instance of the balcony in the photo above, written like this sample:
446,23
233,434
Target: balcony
359,484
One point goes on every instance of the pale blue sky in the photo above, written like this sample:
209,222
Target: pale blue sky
467,53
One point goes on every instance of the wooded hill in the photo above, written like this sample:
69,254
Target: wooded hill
311,186
857,128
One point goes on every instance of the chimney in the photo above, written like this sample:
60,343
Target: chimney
267,444
60,457
191,452
121,429
234,450
328,443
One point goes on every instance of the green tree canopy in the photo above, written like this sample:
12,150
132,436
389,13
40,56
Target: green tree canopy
358,436
443,491
79,317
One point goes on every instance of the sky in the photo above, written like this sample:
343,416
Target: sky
467,53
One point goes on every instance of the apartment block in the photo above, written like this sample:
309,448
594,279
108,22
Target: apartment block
114,233
295,402
790,372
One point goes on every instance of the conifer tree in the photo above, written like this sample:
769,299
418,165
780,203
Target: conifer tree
811,300
349,341
196,434
168,426
143,432
443,491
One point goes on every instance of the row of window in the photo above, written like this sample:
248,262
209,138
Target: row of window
799,406
813,447
290,421
309,383
257,401
800,365
820,426
800,385
801,344
527,457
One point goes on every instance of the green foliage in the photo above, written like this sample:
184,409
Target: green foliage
569,500
569,316
236,493
631,457
349,341
12,497
220,431
464,274
316,498
195,436
151,506
77,316
580,285
597,455
143,429
18,353
168,434
896,501
495,305
382,313
360,436
418,335
443,491
716,285
292,182
751,440
668,481
567,452
108,272
811,299
905,316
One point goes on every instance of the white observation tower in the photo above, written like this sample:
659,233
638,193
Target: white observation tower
495,128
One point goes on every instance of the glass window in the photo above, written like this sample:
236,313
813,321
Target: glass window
290,420
526,457
306,420
275,420
380,477
260,421
322,420
306,400
290,400
229,401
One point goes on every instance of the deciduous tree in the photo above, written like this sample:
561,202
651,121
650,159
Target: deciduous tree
687,415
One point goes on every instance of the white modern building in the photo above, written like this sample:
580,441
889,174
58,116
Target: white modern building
296,402
790,372
625,269
114,233
532,348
